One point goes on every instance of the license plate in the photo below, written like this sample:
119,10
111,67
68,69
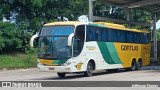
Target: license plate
51,68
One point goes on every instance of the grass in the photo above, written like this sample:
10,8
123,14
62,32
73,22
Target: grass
15,61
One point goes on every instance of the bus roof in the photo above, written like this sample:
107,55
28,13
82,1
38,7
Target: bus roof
119,27
64,23
98,24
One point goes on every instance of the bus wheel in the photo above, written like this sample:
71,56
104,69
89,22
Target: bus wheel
139,65
61,75
89,71
133,65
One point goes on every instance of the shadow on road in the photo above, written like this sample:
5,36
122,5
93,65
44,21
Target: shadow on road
74,76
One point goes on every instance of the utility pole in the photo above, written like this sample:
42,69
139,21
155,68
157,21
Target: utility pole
91,10
155,37
128,16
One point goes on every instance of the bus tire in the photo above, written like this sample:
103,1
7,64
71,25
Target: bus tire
61,75
139,65
133,65
89,71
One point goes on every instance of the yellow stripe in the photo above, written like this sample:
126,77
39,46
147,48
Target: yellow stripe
48,62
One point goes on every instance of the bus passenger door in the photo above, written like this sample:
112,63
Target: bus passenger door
78,44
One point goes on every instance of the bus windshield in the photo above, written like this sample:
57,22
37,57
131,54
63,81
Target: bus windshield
53,42
56,30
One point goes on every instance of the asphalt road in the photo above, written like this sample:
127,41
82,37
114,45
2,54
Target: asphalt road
146,74
149,73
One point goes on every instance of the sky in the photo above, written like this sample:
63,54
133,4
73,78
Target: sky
158,24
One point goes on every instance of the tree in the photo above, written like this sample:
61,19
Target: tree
158,34
28,15
9,37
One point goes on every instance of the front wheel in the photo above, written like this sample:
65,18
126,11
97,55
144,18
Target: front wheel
61,75
89,71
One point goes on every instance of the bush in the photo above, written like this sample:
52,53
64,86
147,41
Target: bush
14,61
13,38
9,39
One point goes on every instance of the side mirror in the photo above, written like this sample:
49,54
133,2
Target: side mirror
33,38
70,39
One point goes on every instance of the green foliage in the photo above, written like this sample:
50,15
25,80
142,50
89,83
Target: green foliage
12,38
9,39
15,61
110,11
158,34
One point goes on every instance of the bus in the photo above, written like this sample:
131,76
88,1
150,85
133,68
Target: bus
83,47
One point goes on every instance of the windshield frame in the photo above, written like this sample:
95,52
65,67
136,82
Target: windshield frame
42,36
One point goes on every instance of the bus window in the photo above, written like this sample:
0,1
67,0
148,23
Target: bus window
91,33
137,37
129,37
104,35
145,38
121,36
99,34
57,30
148,37
78,40
112,36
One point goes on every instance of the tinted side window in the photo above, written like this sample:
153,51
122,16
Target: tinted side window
121,36
145,38
129,37
112,35
94,33
104,34
137,37
91,33
99,34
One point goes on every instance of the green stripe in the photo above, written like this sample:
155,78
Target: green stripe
97,25
105,52
109,52
113,53
62,61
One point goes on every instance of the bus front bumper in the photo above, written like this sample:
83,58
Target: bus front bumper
45,68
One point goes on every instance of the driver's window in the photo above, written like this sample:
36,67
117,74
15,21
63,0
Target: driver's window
78,40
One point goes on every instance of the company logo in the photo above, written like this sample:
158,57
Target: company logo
129,48
78,66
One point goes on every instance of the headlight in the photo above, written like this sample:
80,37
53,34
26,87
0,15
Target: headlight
38,62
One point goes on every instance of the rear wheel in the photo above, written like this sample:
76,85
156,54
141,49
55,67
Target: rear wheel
139,65
89,71
61,75
133,66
